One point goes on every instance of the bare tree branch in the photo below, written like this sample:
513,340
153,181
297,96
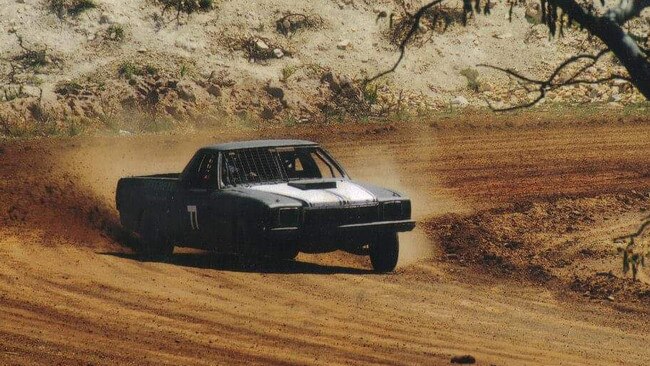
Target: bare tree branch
552,81
626,10
608,29
644,225
402,47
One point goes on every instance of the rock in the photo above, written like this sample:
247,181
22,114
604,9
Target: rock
286,24
267,113
376,109
186,93
142,50
533,12
124,133
464,359
278,53
615,97
261,45
214,90
343,45
460,101
329,77
275,90
610,298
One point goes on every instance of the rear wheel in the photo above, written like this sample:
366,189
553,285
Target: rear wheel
384,251
154,243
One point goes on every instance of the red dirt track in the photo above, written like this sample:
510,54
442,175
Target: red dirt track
71,293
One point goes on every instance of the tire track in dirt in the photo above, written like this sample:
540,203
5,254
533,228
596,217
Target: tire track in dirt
82,298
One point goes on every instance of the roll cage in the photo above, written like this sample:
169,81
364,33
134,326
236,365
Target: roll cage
210,169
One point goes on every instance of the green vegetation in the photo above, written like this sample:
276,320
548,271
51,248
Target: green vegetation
11,92
183,71
115,32
287,71
71,7
371,93
150,70
128,70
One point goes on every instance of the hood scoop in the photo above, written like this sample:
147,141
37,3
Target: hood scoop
313,185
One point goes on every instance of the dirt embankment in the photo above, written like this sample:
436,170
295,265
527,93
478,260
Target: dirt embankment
565,243
531,209
71,67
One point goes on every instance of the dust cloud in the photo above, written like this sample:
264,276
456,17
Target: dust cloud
403,166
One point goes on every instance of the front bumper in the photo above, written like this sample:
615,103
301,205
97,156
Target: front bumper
348,237
366,227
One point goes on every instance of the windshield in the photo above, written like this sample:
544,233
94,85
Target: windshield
273,165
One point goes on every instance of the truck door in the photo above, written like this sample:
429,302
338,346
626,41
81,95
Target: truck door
200,202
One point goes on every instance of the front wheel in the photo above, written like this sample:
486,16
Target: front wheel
283,251
384,251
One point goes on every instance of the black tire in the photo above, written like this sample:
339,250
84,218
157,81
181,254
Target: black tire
283,251
153,243
384,251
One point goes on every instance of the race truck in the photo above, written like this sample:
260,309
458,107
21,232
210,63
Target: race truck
270,198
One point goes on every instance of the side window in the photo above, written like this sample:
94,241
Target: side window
203,174
327,169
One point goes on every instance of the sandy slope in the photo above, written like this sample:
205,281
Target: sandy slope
70,294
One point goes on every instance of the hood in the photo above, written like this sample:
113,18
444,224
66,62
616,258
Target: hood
343,192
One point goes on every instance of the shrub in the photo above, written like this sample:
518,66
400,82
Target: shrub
115,32
287,71
12,92
150,70
183,71
472,78
32,58
71,7
186,6
67,87
205,4
371,94
127,70
291,23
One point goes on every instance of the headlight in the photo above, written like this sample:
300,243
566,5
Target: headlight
396,210
288,217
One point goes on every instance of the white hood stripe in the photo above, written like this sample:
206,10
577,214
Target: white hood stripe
345,192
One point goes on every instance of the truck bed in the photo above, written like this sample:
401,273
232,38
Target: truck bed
152,192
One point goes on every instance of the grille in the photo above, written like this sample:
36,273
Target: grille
336,216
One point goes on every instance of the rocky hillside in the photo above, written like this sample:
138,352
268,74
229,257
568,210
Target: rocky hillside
147,65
